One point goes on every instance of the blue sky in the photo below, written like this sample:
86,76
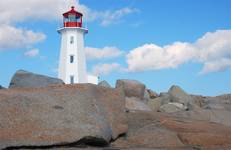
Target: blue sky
158,42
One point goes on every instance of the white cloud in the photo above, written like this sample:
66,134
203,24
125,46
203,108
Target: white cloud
105,69
11,37
216,66
152,57
20,10
213,50
32,53
105,17
13,11
106,52
110,17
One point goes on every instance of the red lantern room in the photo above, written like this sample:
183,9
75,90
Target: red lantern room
72,18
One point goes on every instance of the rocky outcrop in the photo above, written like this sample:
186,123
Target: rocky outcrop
56,115
104,84
146,131
136,95
131,88
44,113
161,131
24,79
199,100
222,102
209,115
172,101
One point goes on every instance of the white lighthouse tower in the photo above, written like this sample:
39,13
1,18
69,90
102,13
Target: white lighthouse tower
72,62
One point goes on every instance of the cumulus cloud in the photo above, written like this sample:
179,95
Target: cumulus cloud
32,53
21,10
11,37
15,11
216,66
153,57
105,69
106,52
213,50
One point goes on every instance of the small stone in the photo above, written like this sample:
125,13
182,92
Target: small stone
152,94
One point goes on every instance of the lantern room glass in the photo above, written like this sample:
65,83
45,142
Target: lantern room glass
72,18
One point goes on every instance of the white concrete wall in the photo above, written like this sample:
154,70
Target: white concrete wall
93,79
78,67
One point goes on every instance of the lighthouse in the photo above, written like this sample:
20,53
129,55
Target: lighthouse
72,61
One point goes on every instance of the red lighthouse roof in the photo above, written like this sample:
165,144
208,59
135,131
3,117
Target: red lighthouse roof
72,18
72,12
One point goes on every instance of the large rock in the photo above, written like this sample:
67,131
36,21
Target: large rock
131,88
56,115
209,115
133,103
199,100
172,107
201,133
148,130
179,96
104,84
155,104
1,87
225,97
165,98
24,79
222,102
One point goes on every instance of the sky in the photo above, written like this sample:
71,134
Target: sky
158,42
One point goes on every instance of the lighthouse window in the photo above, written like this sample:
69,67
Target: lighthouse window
72,18
72,40
72,79
72,59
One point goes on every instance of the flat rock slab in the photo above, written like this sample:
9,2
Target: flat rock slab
61,115
163,131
